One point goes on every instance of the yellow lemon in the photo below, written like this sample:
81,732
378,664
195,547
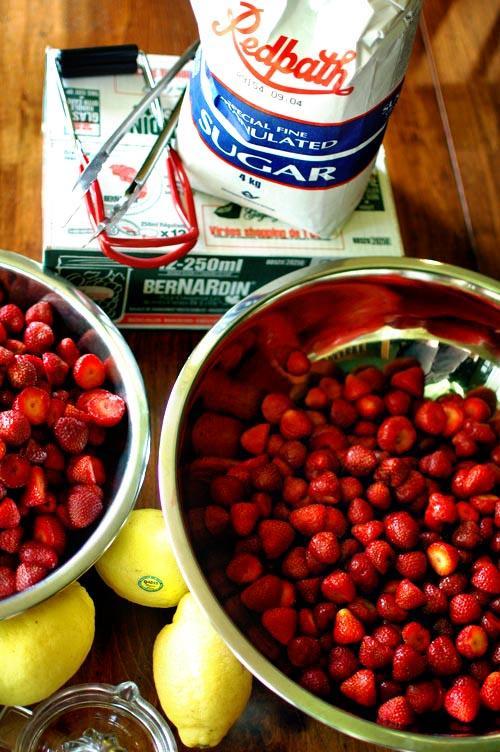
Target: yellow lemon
202,687
43,647
140,565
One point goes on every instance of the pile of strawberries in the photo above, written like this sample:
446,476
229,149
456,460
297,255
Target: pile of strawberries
362,525
55,416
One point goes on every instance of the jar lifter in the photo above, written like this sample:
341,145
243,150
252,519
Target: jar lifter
98,61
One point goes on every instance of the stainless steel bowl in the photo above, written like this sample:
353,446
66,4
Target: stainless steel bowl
447,317
94,332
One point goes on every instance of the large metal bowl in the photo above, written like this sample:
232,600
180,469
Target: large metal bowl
94,332
448,317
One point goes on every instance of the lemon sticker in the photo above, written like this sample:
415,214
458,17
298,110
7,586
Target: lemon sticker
150,583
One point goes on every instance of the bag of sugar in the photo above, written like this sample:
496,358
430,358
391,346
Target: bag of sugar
289,100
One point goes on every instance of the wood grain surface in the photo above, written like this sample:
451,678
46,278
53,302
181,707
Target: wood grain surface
441,145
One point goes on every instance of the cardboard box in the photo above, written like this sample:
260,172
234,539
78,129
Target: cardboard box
239,249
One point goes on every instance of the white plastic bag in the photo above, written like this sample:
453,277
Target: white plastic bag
289,100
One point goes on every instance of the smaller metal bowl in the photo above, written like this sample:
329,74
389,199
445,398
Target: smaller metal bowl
26,283
446,317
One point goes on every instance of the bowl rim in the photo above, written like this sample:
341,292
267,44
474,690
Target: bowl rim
186,383
124,499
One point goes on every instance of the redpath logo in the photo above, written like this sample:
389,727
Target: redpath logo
279,59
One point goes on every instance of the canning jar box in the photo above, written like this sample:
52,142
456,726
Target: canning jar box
239,249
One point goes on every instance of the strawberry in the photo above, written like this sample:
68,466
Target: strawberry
490,691
359,512
84,505
388,634
295,424
360,687
363,573
355,387
374,654
327,437
324,547
263,594
36,488
10,539
342,413
216,519
86,468
350,488
89,372
359,461
316,462
267,477
480,479
325,488
338,587
34,552
409,380
294,564
407,663
14,470
309,589
316,398
316,681
401,529
342,663
274,405
396,434
40,311
397,402
68,351
244,568
347,628
409,596
294,490
437,603
307,625
442,656
254,440
379,495
38,337
244,516
297,363
367,532
430,418
380,554
472,642
476,408
487,578
412,565
6,356
34,403
441,510
396,713
71,434
462,700
442,557
303,651
454,418
424,696
394,470
309,520
388,608
7,582
464,608
370,406
21,372
416,636
276,536
14,427
28,575
108,409
9,513
12,318
55,458
412,488
438,464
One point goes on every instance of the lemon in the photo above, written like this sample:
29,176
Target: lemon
202,687
43,647
140,565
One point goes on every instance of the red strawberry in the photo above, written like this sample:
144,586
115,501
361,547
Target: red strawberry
255,439
263,594
359,461
347,628
388,634
6,356
394,470
397,402
324,547
443,557
401,529
274,406
367,532
244,568
297,363
38,337
380,554
55,458
437,465
480,479
84,505
14,427
442,656
490,691
21,372
71,434
316,681
374,654
396,434
89,372
379,495
10,539
342,663
68,351
476,408
295,424
9,513
338,587
325,488
303,651
396,713
56,369
295,564
34,403
108,409
36,488
487,578
294,490
441,510
407,663
389,609
424,696
86,468
462,699
464,608
41,311
363,572
355,386
216,519
416,636
12,317
342,413
370,406
361,688
409,596
309,520
34,552
266,477
276,536
7,582
411,380
430,417
28,575
316,398
437,602
472,642
412,565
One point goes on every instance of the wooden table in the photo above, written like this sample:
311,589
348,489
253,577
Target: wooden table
441,150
